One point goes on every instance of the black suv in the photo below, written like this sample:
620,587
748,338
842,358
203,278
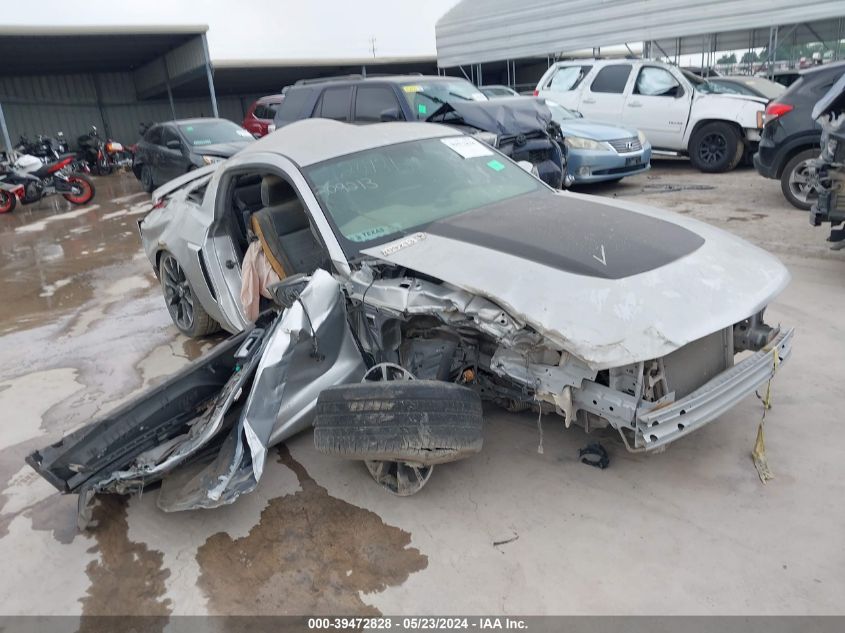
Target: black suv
791,137
519,127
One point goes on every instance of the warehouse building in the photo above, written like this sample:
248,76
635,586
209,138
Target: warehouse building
115,78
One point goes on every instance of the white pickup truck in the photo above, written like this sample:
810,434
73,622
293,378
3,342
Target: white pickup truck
677,111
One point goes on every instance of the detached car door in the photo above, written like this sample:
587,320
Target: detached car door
604,97
659,105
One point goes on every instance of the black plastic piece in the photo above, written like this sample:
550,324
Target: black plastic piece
594,454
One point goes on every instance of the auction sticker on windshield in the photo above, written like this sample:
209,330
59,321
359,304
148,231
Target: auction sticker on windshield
467,147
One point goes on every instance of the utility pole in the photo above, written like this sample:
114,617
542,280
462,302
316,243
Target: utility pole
373,46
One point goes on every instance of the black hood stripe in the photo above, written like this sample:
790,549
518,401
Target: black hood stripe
577,236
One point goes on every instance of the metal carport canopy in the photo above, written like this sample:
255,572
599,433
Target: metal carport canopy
478,31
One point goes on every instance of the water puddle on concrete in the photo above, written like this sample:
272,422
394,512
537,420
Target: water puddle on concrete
310,553
128,578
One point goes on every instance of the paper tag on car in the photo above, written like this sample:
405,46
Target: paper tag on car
467,147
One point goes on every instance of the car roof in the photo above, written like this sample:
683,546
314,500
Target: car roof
277,98
315,83
198,119
296,140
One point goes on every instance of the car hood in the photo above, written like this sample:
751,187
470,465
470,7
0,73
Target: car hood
613,283
728,99
594,130
220,149
508,115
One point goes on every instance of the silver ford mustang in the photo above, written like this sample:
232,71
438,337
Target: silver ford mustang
421,271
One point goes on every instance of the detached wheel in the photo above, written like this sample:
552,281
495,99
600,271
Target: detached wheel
716,147
147,179
185,309
83,189
400,428
795,180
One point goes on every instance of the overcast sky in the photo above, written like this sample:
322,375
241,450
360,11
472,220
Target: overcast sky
271,29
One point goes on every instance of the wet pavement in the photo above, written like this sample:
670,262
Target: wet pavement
83,327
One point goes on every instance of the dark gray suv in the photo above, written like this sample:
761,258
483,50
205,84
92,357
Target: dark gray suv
519,127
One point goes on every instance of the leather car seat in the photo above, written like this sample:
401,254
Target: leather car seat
283,228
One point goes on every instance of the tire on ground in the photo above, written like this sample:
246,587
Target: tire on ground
202,323
420,421
790,166
734,147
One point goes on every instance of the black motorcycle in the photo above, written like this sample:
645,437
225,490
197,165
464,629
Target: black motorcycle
92,149
30,181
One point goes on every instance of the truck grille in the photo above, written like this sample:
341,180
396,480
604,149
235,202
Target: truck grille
626,145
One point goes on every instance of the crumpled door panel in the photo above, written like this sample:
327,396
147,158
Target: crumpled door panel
196,432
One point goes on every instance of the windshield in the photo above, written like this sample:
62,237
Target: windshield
754,86
378,195
702,85
426,96
559,113
213,131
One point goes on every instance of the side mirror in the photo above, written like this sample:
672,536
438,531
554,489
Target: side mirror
679,92
174,144
527,166
287,291
391,114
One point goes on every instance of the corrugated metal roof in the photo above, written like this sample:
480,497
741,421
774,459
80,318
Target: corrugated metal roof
477,31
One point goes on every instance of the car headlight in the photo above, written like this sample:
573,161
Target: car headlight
577,142
641,136
487,137
210,160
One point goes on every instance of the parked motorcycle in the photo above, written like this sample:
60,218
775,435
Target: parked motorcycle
46,148
103,155
31,180
827,172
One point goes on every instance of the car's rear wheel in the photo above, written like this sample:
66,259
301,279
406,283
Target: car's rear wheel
795,180
185,309
147,179
716,147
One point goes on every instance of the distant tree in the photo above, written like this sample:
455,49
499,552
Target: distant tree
749,57
727,59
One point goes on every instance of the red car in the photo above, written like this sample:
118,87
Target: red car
261,113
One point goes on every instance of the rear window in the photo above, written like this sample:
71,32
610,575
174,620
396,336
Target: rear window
266,110
291,109
611,79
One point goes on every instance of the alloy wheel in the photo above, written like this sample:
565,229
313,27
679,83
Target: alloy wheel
713,148
177,293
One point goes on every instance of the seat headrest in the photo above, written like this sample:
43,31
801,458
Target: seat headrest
274,191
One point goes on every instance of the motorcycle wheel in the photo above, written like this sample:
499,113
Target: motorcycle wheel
103,167
86,189
8,201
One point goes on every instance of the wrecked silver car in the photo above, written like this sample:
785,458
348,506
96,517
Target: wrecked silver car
408,273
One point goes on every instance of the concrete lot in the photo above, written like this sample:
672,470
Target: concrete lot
688,531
